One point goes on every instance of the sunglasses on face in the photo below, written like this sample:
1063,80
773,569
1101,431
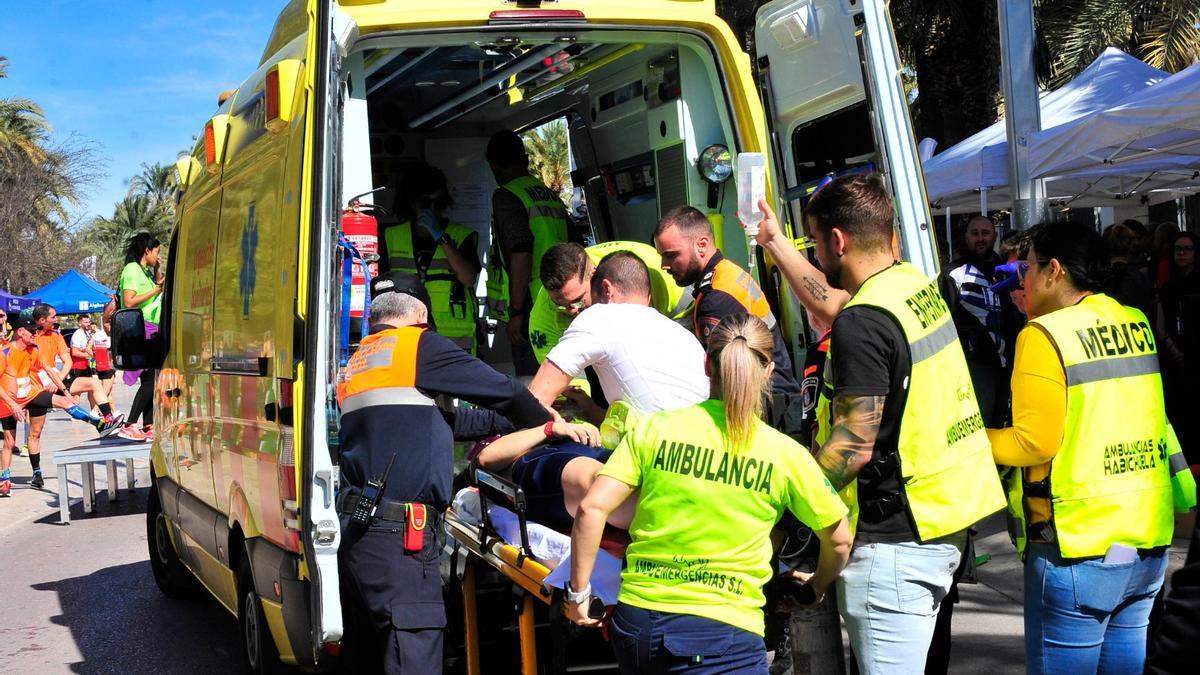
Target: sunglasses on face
1023,269
577,305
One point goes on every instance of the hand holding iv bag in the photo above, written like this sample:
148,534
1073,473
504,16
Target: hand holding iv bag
751,187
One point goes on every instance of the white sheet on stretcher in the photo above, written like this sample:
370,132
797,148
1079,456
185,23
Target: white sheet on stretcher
551,547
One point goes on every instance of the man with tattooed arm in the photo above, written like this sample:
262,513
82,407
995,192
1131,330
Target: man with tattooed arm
901,436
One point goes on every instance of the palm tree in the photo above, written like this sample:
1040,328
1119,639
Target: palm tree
549,157
1163,33
156,183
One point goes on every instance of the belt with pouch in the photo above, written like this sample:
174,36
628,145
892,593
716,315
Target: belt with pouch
387,509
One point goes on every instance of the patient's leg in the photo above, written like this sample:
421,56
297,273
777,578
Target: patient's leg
577,477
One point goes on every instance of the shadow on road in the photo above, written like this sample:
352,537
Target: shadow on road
159,636
125,504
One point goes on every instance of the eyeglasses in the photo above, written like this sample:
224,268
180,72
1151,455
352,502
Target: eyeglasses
577,306
1023,269
1184,249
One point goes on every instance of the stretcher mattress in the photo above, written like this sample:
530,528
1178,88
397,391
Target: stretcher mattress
550,547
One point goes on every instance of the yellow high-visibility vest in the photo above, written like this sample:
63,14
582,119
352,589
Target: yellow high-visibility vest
948,481
547,221
454,308
1111,481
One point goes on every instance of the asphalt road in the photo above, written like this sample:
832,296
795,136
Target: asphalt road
82,599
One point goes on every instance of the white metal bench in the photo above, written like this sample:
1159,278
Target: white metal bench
107,450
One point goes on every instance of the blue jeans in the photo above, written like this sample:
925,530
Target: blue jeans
889,595
1088,616
646,641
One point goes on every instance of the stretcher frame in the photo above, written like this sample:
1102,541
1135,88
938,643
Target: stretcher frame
515,562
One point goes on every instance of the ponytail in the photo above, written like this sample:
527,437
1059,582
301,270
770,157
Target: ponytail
739,352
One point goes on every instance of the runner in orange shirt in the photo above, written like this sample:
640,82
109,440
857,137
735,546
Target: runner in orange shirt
24,380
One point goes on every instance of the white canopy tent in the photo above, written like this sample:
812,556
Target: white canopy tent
1156,130
979,164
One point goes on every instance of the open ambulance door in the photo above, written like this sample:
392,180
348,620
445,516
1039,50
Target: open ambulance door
330,32
829,75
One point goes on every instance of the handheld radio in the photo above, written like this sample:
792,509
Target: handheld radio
368,501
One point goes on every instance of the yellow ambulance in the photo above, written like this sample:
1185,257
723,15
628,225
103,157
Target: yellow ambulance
656,96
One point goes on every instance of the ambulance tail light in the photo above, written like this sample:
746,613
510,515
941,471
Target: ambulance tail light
279,91
215,133
503,16
287,490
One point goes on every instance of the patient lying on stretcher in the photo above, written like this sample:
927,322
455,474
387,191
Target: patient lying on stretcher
555,472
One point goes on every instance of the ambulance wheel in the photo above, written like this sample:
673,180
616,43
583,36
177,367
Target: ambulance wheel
258,647
173,579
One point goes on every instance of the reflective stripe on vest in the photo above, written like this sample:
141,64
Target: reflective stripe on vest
548,223
1110,482
737,282
454,307
385,396
948,479
386,362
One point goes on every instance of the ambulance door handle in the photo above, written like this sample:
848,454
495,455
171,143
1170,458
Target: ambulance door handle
325,477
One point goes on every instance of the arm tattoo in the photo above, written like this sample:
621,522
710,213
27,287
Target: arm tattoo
856,421
816,289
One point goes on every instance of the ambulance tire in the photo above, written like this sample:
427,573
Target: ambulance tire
258,647
172,578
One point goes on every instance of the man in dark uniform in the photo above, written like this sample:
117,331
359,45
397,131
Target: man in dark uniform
684,239
392,588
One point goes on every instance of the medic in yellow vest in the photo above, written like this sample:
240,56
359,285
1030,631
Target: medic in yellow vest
1101,470
566,273
527,219
442,253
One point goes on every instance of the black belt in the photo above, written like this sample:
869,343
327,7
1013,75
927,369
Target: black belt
387,509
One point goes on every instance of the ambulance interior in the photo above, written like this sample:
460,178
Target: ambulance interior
649,115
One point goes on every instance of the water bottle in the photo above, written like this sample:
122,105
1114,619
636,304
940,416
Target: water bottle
752,187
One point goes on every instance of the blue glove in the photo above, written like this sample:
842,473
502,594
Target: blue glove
1011,277
432,225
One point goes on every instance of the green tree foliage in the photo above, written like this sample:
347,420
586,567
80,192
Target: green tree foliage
549,157
1163,33
40,181
149,207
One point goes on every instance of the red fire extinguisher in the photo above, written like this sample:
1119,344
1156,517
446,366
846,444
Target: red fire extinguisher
362,230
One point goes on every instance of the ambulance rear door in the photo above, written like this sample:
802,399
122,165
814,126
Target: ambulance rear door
329,32
829,75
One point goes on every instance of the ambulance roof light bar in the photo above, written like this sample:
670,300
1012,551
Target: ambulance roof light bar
496,77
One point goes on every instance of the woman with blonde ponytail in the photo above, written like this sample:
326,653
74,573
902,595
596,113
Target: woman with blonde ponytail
712,480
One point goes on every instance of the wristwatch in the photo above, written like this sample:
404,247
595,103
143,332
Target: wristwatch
580,597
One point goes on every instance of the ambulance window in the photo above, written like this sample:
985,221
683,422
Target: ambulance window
552,160
838,143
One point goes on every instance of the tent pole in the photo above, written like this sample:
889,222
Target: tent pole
1022,110
949,234
983,209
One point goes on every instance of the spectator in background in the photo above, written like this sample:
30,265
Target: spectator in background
1126,283
973,272
6,331
141,287
1140,249
1179,342
106,314
90,355
1160,253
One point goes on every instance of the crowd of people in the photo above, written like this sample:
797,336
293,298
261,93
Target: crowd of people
1022,380
42,369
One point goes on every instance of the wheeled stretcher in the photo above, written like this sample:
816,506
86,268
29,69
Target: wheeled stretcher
489,522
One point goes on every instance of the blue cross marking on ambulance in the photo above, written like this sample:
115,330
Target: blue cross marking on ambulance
249,247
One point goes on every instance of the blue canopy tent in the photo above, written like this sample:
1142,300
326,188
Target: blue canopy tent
74,293
13,304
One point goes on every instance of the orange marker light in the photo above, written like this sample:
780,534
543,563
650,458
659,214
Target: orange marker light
210,144
271,89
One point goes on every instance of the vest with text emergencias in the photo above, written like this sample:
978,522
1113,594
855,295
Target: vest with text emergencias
947,477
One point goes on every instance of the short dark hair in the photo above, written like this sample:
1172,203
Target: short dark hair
690,220
859,205
1078,248
41,311
625,271
505,148
1121,240
561,263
